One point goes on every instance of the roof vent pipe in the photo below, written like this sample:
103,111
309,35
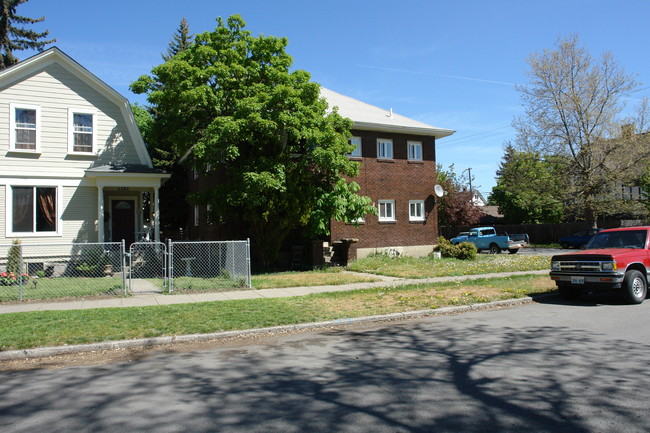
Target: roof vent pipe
390,114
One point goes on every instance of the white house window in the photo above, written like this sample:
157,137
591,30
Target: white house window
25,128
414,151
82,129
384,148
34,209
386,210
416,210
355,141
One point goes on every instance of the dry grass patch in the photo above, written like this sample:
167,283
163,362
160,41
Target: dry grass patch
427,296
332,276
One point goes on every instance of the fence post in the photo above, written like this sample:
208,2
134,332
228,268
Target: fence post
20,273
248,262
124,267
170,266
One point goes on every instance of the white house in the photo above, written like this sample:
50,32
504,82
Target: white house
73,166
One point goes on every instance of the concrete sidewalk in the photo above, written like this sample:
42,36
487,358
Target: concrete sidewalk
152,299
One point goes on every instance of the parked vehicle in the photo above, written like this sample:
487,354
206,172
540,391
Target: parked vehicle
614,259
461,237
486,238
579,239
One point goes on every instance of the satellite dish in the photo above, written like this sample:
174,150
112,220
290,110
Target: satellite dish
439,191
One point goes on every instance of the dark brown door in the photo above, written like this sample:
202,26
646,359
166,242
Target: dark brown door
123,221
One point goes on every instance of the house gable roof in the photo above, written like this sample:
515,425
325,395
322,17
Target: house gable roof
369,117
37,62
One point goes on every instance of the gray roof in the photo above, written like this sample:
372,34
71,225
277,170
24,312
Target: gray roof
368,117
125,169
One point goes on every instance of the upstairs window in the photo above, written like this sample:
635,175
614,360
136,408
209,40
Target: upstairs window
355,141
34,209
386,210
415,151
416,210
82,131
25,128
384,148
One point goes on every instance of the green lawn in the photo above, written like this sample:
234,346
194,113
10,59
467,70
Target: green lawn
54,328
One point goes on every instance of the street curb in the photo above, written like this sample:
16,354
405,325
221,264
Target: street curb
44,352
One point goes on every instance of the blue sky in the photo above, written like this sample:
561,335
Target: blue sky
450,64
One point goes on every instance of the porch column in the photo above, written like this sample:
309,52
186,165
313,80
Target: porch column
100,214
156,215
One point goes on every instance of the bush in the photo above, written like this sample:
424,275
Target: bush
462,251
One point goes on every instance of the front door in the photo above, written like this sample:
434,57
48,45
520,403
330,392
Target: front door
123,221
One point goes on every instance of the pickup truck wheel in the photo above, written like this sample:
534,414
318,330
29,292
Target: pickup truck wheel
513,250
494,249
636,287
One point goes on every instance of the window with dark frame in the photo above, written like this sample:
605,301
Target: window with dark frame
34,209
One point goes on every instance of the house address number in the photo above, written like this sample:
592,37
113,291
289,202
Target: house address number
122,188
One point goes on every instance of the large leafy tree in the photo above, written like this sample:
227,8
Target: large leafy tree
455,208
529,189
231,101
15,37
573,104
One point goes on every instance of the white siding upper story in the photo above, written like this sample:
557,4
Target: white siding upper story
57,93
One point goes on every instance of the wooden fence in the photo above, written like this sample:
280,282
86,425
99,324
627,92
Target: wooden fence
541,233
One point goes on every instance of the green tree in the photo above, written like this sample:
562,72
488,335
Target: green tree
231,101
455,208
529,189
181,40
573,104
15,37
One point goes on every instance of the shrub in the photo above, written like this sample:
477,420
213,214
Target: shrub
462,251
14,258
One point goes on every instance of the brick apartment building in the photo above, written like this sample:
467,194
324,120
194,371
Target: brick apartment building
398,172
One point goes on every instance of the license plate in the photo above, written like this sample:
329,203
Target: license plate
577,280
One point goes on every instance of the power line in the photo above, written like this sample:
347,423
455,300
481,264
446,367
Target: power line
474,135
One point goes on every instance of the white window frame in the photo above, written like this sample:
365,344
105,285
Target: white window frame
414,150
384,148
356,153
9,198
72,132
418,207
386,210
12,127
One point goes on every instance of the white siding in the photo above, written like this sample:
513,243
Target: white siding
2,213
55,90
79,214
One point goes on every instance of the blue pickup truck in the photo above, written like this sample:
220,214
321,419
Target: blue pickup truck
486,238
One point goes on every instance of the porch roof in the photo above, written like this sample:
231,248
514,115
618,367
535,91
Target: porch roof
127,175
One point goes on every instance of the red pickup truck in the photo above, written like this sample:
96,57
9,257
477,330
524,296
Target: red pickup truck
613,259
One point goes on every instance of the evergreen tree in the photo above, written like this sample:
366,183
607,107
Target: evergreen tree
15,37
181,40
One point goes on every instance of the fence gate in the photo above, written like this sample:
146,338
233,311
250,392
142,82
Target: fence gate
147,263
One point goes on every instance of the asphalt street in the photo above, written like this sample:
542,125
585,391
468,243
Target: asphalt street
543,367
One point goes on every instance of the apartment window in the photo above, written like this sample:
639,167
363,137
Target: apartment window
25,128
34,209
384,148
209,218
196,216
414,151
416,210
386,210
355,141
82,131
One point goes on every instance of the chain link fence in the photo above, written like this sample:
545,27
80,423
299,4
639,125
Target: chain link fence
35,272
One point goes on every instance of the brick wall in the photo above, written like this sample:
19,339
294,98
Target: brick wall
400,180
